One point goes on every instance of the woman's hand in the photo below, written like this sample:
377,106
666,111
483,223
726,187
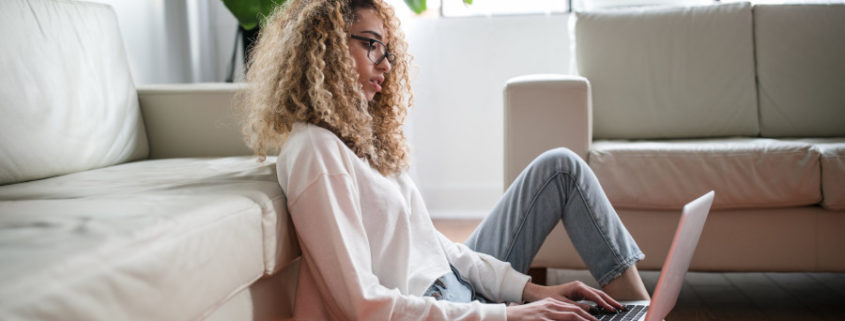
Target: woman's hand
548,309
569,293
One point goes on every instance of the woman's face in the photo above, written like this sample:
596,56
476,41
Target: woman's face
366,45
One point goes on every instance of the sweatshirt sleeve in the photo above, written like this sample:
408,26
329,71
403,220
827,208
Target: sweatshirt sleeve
327,217
496,280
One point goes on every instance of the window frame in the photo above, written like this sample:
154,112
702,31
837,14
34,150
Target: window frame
570,8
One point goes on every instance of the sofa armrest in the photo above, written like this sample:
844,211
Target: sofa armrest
192,120
544,112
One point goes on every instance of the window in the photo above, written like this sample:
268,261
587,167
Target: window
457,8
582,5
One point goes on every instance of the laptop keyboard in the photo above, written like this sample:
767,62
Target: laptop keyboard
631,313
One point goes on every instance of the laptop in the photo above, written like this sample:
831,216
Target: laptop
672,275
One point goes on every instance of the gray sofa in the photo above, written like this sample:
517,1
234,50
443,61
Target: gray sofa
671,102
125,203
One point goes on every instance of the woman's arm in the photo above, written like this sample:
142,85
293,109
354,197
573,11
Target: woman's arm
327,217
498,281
494,279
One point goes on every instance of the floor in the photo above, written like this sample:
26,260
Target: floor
746,296
726,296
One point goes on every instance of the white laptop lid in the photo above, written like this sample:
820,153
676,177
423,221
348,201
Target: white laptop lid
679,257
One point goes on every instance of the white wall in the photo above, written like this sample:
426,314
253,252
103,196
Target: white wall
455,127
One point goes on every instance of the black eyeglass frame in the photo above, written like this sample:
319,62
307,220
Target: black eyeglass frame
387,54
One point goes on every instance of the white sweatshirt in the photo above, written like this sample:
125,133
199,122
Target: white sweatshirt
369,248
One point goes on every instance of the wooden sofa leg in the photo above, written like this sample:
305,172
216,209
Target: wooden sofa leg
538,275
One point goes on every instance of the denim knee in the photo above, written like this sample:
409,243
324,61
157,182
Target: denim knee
559,159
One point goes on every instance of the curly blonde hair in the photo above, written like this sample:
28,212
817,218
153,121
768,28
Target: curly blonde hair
301,71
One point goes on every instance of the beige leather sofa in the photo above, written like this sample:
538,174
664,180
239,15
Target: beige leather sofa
671,102
119,203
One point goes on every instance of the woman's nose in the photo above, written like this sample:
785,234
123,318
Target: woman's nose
384,66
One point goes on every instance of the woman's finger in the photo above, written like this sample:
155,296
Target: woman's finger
601,298
583,306
573,312
580,291
567,316
610,299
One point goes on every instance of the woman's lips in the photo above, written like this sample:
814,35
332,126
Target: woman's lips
375,84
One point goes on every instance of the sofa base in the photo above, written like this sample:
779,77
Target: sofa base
807,239
270,298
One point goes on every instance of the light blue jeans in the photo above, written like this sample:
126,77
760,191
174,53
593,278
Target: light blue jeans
557,186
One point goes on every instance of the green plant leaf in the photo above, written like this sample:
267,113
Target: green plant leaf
468,1
251,12
418,6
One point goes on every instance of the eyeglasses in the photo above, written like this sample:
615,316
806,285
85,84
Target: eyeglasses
376,50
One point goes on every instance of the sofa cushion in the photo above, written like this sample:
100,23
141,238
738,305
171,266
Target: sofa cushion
800,50
116,242
669,72
832,159
833,173
66,95
104,260
744,172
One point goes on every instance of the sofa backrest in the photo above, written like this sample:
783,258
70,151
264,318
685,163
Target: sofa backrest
67,98
800,52
670,72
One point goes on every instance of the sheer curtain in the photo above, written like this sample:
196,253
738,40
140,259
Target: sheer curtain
176,41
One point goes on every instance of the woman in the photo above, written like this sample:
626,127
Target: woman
329,88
